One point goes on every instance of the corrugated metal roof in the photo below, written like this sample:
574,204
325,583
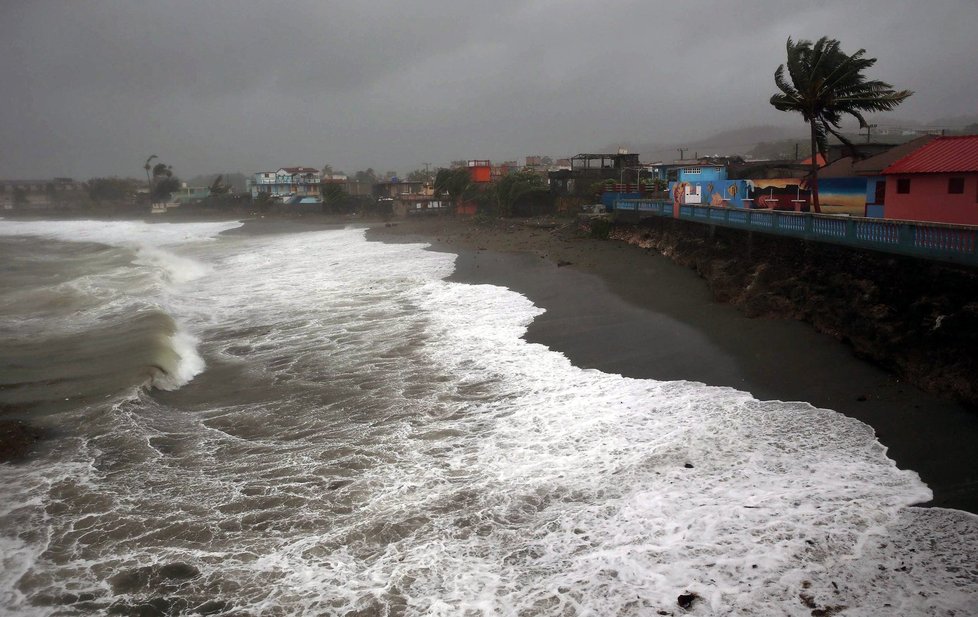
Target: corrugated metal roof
943,155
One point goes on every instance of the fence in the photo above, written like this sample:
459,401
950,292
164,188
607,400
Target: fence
937,241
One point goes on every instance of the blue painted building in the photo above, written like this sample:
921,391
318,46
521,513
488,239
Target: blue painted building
708,184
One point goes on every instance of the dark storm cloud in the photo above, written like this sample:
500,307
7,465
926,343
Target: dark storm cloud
92,88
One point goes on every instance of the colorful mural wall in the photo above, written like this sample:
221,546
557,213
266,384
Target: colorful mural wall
836,195
777,194
780,194
842,195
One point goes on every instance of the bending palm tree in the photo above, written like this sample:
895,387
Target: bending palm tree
147,167
825,84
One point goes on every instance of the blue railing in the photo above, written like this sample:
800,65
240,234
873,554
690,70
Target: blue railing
938,241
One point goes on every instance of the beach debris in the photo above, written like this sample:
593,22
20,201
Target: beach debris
563,262
686,600
688,465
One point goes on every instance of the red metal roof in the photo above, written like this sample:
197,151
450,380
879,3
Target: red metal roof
819,160
943,155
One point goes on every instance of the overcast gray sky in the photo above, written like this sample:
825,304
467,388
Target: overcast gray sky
92,88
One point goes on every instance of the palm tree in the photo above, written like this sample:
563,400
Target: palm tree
825,84
454,182
147,167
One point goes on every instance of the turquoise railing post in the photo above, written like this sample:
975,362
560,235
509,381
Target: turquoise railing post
905,237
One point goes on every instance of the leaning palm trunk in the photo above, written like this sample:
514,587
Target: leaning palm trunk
813,181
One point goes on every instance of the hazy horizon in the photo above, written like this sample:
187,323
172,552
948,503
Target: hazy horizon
93,89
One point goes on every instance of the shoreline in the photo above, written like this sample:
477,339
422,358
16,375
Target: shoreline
618,308
621,309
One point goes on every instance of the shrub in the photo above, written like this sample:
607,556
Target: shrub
482,219
600,228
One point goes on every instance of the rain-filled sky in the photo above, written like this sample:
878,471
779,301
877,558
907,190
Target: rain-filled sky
92,88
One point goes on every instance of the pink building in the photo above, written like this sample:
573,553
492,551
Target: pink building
937,182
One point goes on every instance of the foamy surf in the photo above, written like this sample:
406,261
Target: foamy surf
104,297
175,269
181,365
371,439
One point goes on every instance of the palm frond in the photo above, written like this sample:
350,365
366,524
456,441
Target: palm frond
782,84
826,84
842,138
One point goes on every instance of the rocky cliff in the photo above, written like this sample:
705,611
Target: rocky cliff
916,318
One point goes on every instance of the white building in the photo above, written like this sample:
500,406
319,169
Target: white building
291,185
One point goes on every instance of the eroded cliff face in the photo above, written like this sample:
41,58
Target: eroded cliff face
916,318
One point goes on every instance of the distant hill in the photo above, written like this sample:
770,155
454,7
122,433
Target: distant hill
954,122
733,142
778,142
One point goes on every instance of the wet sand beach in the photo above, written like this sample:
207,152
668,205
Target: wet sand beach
621,309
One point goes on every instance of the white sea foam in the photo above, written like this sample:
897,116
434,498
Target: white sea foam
190,362
118,233
580,497
175,268
408,453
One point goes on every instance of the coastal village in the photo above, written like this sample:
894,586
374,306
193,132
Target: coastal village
930,178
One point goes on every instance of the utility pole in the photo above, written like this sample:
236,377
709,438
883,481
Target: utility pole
869,130
682,153
796,150
427,176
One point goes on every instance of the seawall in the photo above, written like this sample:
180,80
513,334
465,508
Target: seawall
913,317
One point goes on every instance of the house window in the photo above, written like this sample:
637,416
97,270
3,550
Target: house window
691,170
955,185
903,185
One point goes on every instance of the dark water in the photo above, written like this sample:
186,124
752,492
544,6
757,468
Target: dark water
314,424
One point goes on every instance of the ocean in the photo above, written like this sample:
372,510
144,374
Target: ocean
310,423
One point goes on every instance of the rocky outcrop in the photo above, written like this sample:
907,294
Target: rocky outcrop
915,318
